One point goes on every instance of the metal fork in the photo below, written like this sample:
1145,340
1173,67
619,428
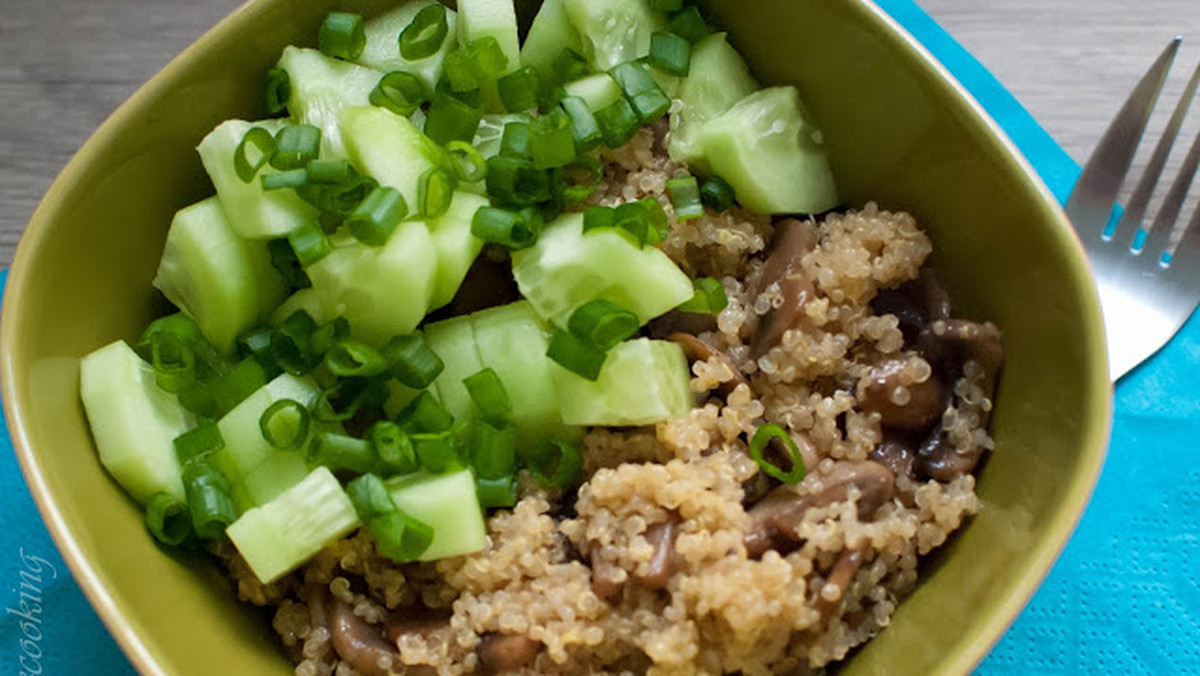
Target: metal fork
1147,291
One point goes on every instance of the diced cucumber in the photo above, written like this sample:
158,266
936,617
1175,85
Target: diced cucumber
383,51
264,483
718,78
549,34
308,300
133,422
567,268
321,88
456,246
222,281
253,212
281,535
512,341
771,154
614,31
598,91
491,132
390,149
382,291
454,341
449,505
643,382
490,18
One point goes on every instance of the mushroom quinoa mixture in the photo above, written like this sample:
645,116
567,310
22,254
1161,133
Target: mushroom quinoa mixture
677,555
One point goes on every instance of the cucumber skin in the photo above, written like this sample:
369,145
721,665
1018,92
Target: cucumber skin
642,382
549,34
771,155
449,504
321,88
613,31
253,213
222,281
456,247
383,53
718,79
133,421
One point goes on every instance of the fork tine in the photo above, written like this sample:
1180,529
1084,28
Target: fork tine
1092,199
1164,223
1135,208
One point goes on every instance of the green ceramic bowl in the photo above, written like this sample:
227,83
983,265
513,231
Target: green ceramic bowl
900,131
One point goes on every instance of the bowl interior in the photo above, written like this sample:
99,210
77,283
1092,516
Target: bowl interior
899,134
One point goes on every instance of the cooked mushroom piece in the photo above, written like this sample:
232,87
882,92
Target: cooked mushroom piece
775,519
698,350
318,617
364,647
901,404
914,303
793,239
897,453
499,652
661,536
693,323
840,576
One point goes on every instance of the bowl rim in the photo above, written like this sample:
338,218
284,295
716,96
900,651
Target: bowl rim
970,653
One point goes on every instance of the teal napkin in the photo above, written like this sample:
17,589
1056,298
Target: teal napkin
1123,598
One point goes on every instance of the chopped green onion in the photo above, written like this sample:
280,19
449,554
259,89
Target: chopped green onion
279,90
513,229
309,244
634,218
758,446
412,362
291,343
670,53
603,323
584,128
517,182
469,164
341,452
208,498
378,215
295,146
685,197
489,395
520,90
595,217
283,259
451,119
717,194
709,299
435,190
659,224
488,58
618,123
395,450
581,178
198,443
241,381
349,397
167,519
666,5
398,91
689,25
555,464
493,449
576,355
328,335
292,178
174,362
459,72
437,452
551,141
497,492
256,342
179,326
514,141
472,97
370,497
330,172
424,414
253,153
643,93
397,535
284,424
423,37
569,66
198,400
352,358
342,36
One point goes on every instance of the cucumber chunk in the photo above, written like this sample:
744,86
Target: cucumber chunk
308,300
253,212
382,291
222,281
567,268
279,536
133,422
718,79
614,31
490,18
549,34
264,483
449,505
456,246
598,91
454,341
771,154
382,51
390,149
321,88
643,382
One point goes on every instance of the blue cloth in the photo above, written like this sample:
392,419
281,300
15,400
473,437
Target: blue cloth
1124,597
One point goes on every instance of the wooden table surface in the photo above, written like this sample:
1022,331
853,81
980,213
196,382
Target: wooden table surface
66,64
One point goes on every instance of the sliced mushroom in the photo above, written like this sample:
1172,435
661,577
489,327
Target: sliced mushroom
776,518
499,653
840,576
607,578
901,405
661,536
318,618
675,321
697,350
915,303
488,283
420,621
793,239
363,646
897,453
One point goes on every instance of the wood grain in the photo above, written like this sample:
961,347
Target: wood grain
65,65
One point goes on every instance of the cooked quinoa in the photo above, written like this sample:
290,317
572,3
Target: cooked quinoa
662,562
